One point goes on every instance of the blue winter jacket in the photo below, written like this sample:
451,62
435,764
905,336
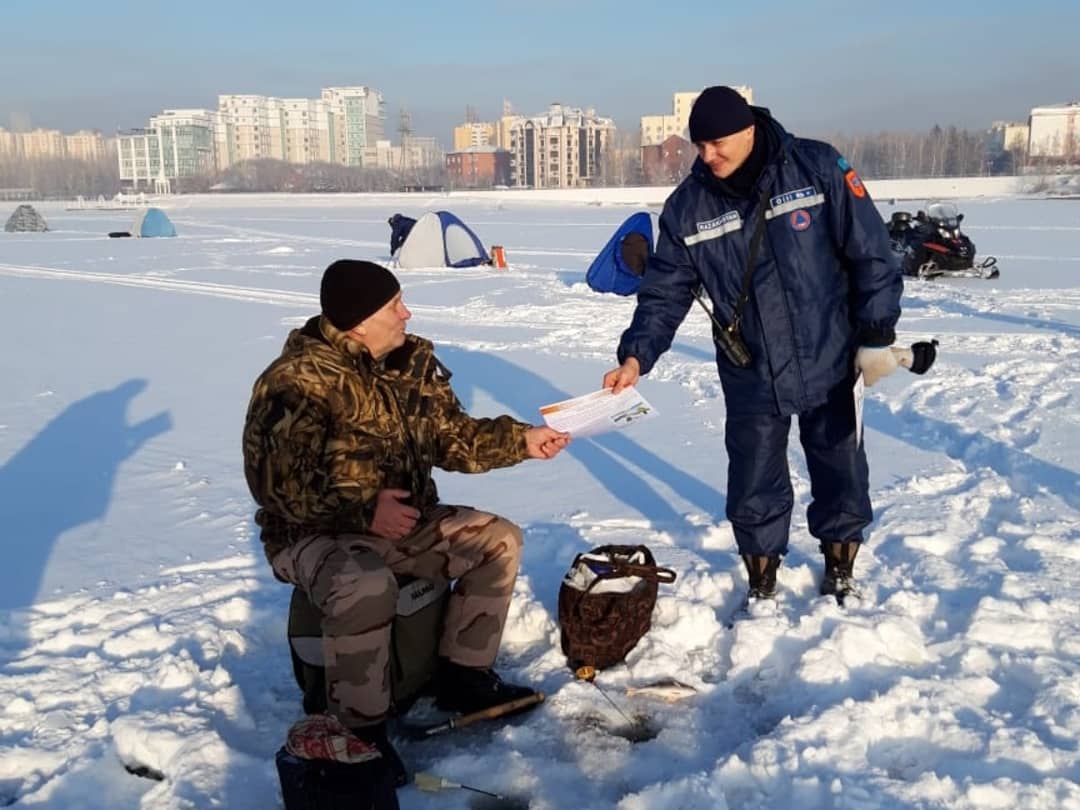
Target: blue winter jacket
825,280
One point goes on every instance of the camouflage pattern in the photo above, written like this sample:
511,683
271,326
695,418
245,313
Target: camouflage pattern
350,579
328,427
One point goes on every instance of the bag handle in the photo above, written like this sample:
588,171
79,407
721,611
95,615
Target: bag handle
617,568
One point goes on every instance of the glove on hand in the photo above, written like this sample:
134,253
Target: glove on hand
919,358
875,362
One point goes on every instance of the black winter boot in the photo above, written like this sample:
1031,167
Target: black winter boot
376,735
839,579
471,689
762,573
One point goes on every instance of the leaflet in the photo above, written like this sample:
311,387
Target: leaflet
597,412
858,392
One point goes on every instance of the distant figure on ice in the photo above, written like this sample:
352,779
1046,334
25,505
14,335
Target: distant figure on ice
400,226
341,436
783,237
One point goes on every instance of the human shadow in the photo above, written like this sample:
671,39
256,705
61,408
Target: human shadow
958,308
609,458
61,479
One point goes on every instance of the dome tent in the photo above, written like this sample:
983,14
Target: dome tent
25,218
149,222
440,239
152,222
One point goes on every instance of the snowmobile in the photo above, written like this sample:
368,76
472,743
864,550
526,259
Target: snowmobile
931,245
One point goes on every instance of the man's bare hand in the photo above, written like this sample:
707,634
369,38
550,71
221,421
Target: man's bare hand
545,442
393,519
625,376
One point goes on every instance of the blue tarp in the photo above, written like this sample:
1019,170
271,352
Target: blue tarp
610,271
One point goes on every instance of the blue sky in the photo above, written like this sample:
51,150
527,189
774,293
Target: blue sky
821,67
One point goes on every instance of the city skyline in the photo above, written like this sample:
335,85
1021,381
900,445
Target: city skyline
837,66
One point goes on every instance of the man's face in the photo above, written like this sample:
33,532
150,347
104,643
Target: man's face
724,155
384,330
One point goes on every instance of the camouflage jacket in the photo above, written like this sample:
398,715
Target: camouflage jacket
328,427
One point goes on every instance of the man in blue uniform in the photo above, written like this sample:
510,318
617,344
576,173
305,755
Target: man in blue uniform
781,235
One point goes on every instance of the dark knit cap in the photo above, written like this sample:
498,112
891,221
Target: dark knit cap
718,112
353,290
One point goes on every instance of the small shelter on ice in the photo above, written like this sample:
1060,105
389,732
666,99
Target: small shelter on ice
440,239
149,222
25,218
618,268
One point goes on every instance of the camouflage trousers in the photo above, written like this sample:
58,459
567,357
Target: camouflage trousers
350,578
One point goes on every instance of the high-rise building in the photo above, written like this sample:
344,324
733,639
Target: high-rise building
563,148
655,129
1055,132
88,145
475,133
9,145
42,144
356,124
249,127
175,144
306,124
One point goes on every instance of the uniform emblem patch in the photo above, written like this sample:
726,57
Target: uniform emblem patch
855,184
799,220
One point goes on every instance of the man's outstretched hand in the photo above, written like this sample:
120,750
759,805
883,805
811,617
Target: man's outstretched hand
545,442
625,376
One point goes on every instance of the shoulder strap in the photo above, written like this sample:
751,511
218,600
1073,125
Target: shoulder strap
751,261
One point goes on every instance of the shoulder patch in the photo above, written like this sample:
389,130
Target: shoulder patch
855,184
853,181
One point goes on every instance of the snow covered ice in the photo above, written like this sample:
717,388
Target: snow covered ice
140,625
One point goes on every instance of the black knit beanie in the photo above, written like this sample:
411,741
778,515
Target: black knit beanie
718,112
353,290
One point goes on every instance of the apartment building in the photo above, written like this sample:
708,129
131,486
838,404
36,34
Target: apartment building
357,123
9,145
1055,132
667,163
249,127
307,129
655,129
175,144
478,167
342,126
470,134
88,145
563,148
42,144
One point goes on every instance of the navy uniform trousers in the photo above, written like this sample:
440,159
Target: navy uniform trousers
760,496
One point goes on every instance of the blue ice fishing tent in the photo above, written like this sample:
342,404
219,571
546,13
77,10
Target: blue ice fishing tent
620,265
440,239
152,222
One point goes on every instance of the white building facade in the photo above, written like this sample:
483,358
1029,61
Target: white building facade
175,144
564,148
1054,132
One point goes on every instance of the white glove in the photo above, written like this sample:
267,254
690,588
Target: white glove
875,362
